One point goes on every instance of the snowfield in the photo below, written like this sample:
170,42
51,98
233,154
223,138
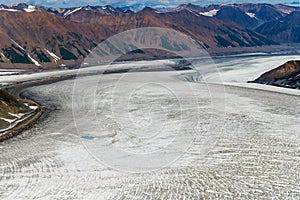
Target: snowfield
210,13
158,135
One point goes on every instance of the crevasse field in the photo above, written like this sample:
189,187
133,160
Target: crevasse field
158,135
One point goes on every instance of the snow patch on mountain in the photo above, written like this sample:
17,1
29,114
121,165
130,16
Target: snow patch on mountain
210,13
17,44
2,55
69,12
19,115
8,120
252,15
55,57
286,11
7,9
34,61
30,8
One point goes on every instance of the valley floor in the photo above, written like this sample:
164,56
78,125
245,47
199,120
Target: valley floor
159,135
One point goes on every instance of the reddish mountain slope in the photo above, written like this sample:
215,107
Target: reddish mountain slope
210,32
44,39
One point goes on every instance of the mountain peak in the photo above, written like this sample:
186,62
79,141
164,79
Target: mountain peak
148,9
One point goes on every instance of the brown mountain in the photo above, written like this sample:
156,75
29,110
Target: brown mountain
43,39
286,75
235,14
210,32
285,30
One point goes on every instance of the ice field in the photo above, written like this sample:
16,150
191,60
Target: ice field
158,135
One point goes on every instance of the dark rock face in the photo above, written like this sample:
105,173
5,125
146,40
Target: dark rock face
266,12
285,30
286,75
236,15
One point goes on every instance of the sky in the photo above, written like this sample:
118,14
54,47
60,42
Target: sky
73,3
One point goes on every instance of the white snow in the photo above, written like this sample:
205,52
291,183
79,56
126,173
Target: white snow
55,57
30,8
8,120
7,73
255,149
69,12
296,4
252,15
2,55
34,61
33,107
19,115
287,11
17,44
10,10
210,13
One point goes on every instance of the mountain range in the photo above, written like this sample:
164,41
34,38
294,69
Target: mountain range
38,37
